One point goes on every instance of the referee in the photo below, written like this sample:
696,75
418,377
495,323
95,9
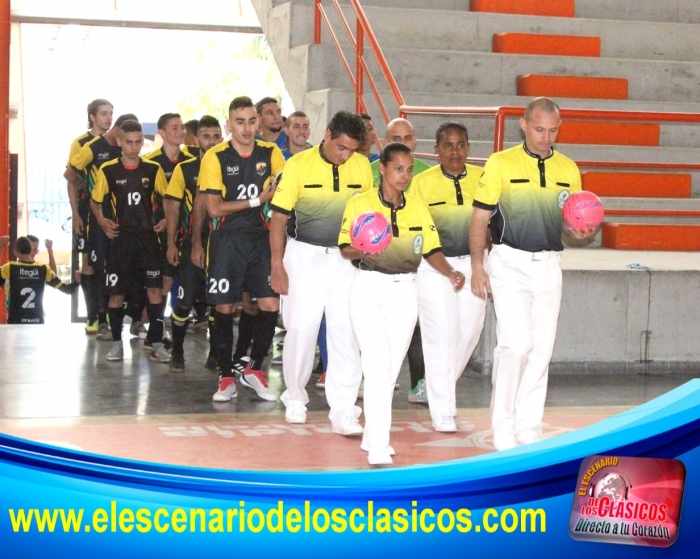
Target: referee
311,273
521,193
451,322
383,303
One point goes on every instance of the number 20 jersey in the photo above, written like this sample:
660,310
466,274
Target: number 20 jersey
235,177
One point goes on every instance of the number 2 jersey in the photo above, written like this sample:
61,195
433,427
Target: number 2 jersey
25,290
236,177
131,192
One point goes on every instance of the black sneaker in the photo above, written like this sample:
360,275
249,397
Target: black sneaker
318,369
212,363
177,362
239,365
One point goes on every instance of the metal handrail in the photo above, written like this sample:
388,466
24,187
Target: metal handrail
501,113
363,30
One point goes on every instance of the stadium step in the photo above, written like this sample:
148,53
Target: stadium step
553,8
536,85
609,133
555,45
650,236
645,185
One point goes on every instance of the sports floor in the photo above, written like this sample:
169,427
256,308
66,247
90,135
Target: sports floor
56,387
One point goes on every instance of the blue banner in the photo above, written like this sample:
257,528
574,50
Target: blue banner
56,502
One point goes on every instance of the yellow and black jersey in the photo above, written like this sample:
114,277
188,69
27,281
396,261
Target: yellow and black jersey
131,192
25,290
318,190
526,194
92,156
183,188
194,151
75,147
413,230
449,199
227,173
168,165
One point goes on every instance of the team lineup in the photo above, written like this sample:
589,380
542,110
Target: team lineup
263,224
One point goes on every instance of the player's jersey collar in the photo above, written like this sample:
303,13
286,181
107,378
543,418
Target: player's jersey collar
459,177
535,155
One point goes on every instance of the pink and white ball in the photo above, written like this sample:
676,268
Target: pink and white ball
583,211
370,232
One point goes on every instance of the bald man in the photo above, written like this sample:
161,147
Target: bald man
400,130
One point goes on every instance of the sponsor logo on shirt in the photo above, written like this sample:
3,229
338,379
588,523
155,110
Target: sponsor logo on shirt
31,274
103,156
120,181
232,170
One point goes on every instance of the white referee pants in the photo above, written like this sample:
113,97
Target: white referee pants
319,281
383,310
527,296
451,324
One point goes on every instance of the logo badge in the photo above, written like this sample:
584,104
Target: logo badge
261,168
633,501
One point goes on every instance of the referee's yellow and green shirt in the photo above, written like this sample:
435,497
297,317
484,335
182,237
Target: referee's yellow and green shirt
526,194
449,199
414,233
318,190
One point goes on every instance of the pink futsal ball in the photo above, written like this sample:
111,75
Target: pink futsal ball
583,210
370,232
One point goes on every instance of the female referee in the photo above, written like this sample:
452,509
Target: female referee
383,301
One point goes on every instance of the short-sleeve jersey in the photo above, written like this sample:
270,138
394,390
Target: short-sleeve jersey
25,290
318,190
281,142
225,172
449,199
419,167
168,165
75,147
183,188
526,194
131,192
92,156
414,235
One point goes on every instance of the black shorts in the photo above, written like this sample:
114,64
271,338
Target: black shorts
192,279
238,261
97,243
80,243
134,260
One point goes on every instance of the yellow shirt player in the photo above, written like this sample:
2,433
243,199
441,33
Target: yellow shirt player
521,193
383,301
451,322
310,273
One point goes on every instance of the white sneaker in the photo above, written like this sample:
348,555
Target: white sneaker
504,441
159,354
256,380
444,424
295,415
526,437
361,391
379,459
390,449
135,328
348,426
227,390
116,353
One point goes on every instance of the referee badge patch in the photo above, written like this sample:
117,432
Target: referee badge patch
418,244
261,167
562,197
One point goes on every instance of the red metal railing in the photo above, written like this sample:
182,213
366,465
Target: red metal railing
500,114
363,29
